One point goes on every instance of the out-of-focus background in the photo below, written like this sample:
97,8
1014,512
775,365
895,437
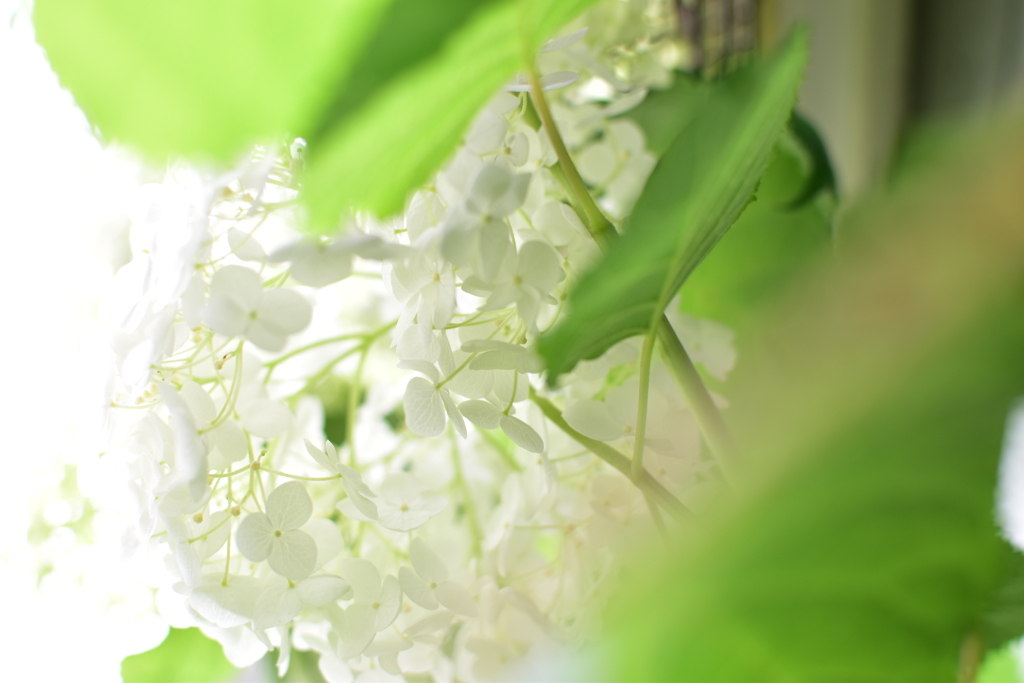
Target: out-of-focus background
887,80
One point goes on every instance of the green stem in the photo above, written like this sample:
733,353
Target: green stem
471,514
646,483
709,419
641,406
600,227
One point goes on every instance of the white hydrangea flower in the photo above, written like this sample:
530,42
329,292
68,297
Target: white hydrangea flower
275,535
428,586
358,492
240,307
405,503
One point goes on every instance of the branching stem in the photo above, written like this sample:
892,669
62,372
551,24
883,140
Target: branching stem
641,407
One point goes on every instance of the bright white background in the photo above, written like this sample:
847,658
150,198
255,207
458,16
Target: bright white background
61,202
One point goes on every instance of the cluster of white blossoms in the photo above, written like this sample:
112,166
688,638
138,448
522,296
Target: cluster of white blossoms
335,444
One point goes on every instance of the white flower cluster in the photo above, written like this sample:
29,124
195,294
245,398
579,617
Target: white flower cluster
398,508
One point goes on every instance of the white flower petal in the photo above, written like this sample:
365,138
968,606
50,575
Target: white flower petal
322,590
293,554
456,597
426,562
245,246
559,79
276,606
318,455
416,588
481,413
453,413
241,285
389,603
363,576
226,606
562,42
255,537
289,506
265,418
591,418
327,537
424,410
356,629
285,310
521,433
430,624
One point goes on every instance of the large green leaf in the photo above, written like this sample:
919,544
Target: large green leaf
402,134
381,89
860,544
203,78
698,189
185,656
762,251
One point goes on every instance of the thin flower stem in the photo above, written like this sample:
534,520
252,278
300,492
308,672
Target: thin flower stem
646,483
270,365
467,496
709,419
296,476
641,406
600,227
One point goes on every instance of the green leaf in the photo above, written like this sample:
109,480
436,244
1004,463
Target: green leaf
822,177
372,159
203,78
185,656
696,192
1003,621
665,113
762,251
1000,667
381,89
860,543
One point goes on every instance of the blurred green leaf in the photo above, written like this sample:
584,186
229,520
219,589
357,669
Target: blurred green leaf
1000,667
761,252
665,113
698,189
382,89
1003,621
860,544
822,177
372,159
203,78
185,656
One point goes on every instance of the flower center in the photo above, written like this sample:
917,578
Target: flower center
404,507
277,533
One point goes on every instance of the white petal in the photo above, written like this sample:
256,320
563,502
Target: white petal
456,597
487,133
559,79
285,310
229,443
418,342
426,562
245,246
389,602
289,506
481,413
293,554
434,622
356,629
199,402
255,537
366,506
416,588
424,410
327,537
422,367
241,285
323,265
230,605
521,433
215,539
189,452
318,455
591,418
540,266
322,590
562,42
225,316
453,413
276,606
266,338
363,576
596,163
349,509
265,418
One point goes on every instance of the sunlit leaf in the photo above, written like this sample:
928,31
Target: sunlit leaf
185,656
860,543
698,189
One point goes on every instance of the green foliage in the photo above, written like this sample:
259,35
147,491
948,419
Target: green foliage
203,78
382,89
698,189
1003,621
762,251
1000,667
374,157
860,544
185,656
